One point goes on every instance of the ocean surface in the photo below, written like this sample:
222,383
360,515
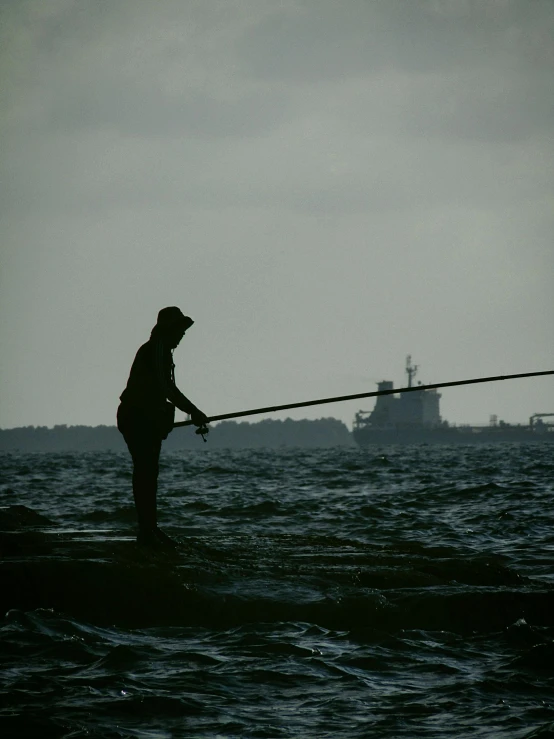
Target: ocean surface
386,592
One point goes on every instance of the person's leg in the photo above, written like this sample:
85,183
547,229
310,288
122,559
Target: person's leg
145,452
145,488
144,444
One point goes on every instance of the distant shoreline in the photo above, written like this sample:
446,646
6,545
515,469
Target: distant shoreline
268,433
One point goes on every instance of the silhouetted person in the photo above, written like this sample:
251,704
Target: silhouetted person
145,417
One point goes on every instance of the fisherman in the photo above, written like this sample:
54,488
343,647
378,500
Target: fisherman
146,415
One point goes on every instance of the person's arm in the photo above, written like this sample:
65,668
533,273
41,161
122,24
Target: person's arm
162,363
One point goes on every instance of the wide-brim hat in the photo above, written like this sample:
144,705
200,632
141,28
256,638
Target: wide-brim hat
173,317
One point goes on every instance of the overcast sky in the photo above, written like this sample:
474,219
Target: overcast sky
324,186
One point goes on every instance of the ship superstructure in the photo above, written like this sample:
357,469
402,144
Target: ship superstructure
405,410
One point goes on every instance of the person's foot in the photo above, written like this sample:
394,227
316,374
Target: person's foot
155,539
164,539
148,538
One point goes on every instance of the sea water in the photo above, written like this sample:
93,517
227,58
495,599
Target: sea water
382,592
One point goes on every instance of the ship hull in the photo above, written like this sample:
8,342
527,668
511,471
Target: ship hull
370,437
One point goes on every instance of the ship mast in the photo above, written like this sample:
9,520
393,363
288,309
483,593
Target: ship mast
411,369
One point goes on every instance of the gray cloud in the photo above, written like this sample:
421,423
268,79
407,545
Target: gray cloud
134,108
458,69
420,37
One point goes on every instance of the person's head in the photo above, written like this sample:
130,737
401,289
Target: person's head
171,325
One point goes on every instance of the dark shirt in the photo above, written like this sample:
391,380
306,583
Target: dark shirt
151,380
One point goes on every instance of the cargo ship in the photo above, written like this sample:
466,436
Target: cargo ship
414,418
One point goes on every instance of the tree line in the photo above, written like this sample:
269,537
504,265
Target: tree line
323,432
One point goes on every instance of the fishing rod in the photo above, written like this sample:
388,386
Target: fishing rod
357,396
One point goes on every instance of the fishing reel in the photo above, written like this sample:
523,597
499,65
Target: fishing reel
203,431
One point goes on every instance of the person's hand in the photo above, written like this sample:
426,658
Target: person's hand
198,418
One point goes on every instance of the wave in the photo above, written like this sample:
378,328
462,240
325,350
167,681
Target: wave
145,600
